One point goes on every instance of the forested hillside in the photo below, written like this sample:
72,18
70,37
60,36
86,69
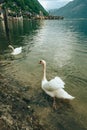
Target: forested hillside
32,6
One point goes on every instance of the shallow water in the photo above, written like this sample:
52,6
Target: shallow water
63,44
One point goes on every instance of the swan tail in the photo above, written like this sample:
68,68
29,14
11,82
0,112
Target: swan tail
61,93
70,97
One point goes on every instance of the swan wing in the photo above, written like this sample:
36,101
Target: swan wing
59,81
17,51
54,84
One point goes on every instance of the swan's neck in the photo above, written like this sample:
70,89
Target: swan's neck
11,47
44,71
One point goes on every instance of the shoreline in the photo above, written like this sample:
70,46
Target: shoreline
15,107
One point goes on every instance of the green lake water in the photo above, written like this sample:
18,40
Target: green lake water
63,44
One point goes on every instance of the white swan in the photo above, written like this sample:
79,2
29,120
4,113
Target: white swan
54,87
15,51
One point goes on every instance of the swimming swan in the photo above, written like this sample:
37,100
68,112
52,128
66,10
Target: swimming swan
54,87
15,51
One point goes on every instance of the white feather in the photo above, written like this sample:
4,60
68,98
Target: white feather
15,51
54,87
53,84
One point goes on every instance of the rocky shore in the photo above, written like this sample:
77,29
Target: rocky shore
15,110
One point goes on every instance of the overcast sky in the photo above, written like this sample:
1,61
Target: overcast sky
53,4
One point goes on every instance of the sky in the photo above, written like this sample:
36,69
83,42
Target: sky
53,4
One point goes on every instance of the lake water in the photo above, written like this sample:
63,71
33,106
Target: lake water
63,44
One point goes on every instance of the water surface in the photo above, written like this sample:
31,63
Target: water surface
63,44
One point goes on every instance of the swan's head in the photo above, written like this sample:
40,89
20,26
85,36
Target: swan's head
10,46
43,62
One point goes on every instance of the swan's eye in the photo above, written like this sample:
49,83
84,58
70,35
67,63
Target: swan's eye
40,61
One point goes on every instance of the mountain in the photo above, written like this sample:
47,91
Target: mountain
74,9
32,6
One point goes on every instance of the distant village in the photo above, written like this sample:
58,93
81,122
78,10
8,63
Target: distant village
25,15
